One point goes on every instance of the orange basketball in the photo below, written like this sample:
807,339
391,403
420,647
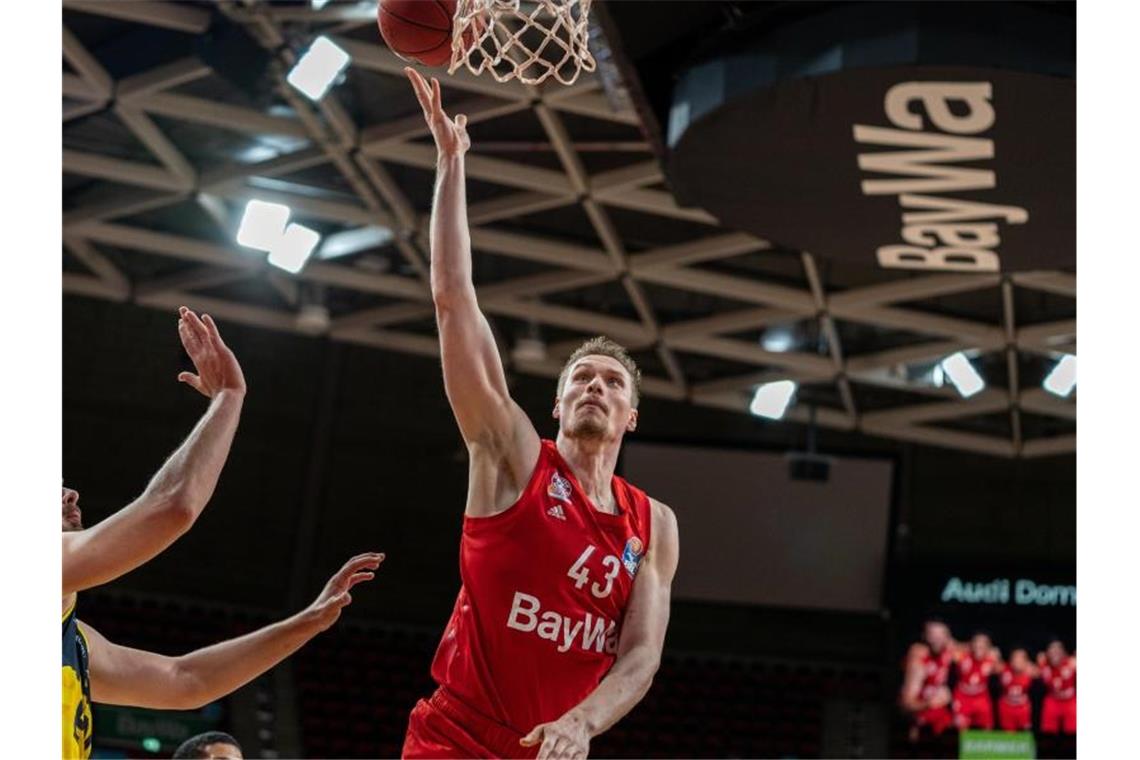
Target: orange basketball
419,30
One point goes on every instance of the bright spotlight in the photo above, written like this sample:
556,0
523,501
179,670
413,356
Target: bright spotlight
262,225
318,68
293,248
771,399
778,339
1063,378
962,374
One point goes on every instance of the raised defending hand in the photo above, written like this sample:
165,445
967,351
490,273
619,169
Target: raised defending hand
450,136
326,608
218,368
566,737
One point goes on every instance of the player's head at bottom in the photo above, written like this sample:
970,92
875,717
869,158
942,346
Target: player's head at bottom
212,745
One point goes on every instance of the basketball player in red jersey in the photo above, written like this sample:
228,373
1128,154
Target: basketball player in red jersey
1014,709
925,693
1059,672
973,707
559,624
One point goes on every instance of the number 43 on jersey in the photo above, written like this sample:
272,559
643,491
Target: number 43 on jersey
581,574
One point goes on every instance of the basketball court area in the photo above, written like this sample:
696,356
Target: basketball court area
702,192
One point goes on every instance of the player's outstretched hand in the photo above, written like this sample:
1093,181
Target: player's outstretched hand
450,136
566,737
335,596
218,368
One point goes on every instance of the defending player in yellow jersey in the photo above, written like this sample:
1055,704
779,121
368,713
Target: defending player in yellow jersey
95,669
76,689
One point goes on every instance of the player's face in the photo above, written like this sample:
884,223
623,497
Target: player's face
596,399
222,751
980,645
72,517
1019,660
937,635
1056,653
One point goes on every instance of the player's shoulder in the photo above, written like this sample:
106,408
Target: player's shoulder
664,518
661,508
664,543
917,651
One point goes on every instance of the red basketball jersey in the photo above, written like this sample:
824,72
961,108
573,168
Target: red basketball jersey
973,674
936,671
545,586
1015,686
1060,681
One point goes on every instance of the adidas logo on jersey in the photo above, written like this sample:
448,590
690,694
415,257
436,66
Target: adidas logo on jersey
556,511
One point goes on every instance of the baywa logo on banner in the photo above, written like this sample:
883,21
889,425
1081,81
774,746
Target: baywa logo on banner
939,156
1024,592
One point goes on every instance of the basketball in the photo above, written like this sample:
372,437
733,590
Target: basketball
418,30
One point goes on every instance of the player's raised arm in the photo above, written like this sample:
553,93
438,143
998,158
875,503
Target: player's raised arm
125,676
472,369
181,489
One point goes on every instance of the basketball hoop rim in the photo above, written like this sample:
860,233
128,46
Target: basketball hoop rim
511,42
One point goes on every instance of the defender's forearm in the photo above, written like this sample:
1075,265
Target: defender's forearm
215,671
188,478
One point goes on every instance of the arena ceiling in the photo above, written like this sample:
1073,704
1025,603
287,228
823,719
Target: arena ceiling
176,114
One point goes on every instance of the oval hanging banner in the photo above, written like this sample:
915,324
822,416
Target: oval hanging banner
926,167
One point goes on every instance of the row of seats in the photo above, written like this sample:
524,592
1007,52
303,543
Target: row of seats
168,627
356,684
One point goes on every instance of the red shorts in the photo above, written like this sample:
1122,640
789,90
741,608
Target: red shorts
1059,715
1015,717
938,718
443,727
973,711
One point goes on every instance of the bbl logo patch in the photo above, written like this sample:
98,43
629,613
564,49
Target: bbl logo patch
559,487
631,557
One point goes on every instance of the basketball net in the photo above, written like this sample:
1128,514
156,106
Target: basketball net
530,41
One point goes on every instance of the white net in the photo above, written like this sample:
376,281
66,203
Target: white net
530,41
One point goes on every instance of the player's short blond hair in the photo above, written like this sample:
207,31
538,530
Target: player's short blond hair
603,346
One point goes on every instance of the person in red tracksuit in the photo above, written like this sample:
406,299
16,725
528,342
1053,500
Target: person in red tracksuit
1014,709
972,705
925,693
566,568
1059,672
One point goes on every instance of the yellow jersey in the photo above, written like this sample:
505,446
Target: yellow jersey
76,690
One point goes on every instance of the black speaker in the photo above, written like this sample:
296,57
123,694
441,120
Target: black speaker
809,467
